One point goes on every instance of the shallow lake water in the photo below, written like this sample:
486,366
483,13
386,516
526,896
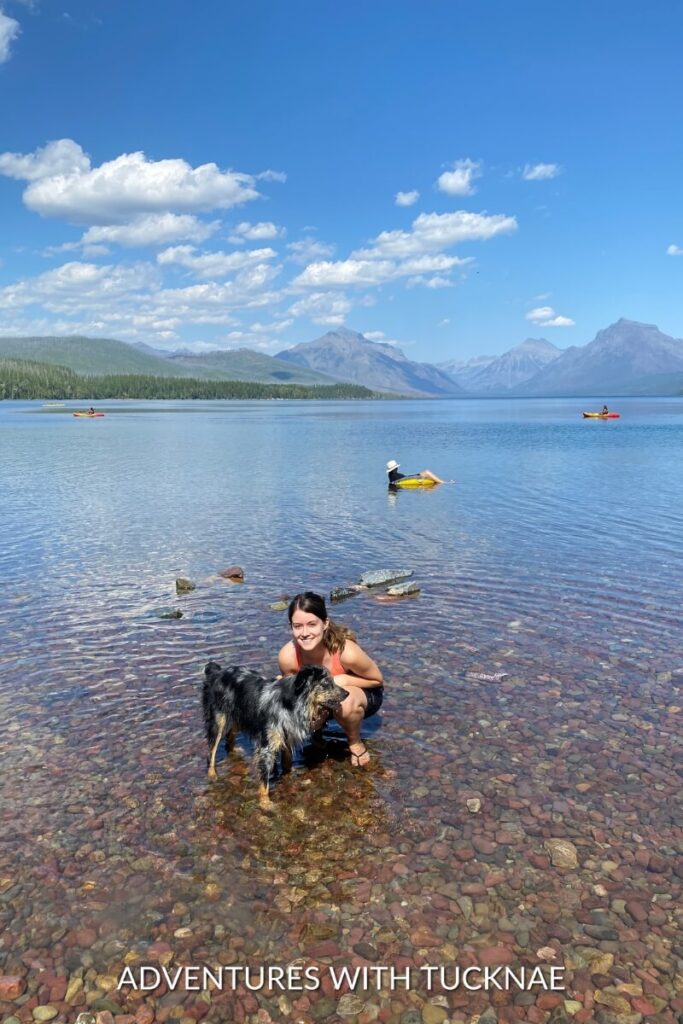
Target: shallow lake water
523,802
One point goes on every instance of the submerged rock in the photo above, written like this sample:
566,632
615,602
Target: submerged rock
403,589
234,573
171,613
341,593
184,586
382,577
562,853
279,606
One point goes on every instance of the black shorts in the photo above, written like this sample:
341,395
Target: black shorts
374,696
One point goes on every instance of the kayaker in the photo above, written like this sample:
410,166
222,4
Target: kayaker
91,411
605,411
426,474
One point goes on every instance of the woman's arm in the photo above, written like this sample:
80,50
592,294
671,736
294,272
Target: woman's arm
287,661
361,670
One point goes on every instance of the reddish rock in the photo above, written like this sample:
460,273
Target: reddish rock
548,1000
422,937
482,845
326,948
642,1005
494,878
144,1015
233,572
473,889
494,956
537,860
505,837
636,910
11,986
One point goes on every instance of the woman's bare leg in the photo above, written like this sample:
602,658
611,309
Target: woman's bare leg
350,715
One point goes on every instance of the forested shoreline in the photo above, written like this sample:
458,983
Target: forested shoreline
25,379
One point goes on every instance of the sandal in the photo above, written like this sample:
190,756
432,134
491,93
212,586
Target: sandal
356,757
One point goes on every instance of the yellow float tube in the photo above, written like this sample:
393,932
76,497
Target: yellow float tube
412,481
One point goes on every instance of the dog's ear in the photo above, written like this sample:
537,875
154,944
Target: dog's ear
212,669
304,678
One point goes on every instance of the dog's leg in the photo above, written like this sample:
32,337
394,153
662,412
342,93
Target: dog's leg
265,761
217,729
230,738
286,759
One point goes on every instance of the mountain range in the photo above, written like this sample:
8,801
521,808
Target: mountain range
349,356
626,358
493,375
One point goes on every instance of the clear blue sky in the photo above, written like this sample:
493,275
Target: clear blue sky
450,176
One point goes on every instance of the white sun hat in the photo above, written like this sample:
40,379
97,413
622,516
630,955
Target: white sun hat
392,464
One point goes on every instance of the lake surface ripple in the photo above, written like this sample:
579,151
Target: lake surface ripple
533,695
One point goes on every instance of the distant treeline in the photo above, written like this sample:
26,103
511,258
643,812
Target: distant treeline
27,379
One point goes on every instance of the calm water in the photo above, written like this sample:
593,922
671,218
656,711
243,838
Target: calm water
555,559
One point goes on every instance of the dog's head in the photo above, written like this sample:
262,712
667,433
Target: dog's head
212,670
316,686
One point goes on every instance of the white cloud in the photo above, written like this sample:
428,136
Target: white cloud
368,272
346,272
395,254
65,289
272,176
406,198
260,232
458,182
438,281
151,229
307,249
545,316
432,232
374,335
444,322
62,183
674,250
213,264
9,30
62,157
323,308
541,172
258,335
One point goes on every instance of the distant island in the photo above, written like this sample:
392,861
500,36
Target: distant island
626,358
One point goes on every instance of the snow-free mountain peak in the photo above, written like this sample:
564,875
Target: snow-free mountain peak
349,356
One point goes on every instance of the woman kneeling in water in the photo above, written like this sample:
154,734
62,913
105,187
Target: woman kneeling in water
319,641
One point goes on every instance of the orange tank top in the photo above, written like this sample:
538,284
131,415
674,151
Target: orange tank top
336,668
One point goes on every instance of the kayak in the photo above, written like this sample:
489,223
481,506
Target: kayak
601,415
88,415
414,482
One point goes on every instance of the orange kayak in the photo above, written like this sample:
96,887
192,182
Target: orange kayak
88,415
601,415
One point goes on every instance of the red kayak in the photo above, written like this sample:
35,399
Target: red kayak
601,415
88,415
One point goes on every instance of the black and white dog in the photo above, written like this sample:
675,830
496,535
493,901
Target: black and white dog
278,714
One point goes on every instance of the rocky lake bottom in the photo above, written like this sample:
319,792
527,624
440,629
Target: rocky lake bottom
521,814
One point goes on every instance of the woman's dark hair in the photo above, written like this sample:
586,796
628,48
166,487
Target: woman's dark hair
335,636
